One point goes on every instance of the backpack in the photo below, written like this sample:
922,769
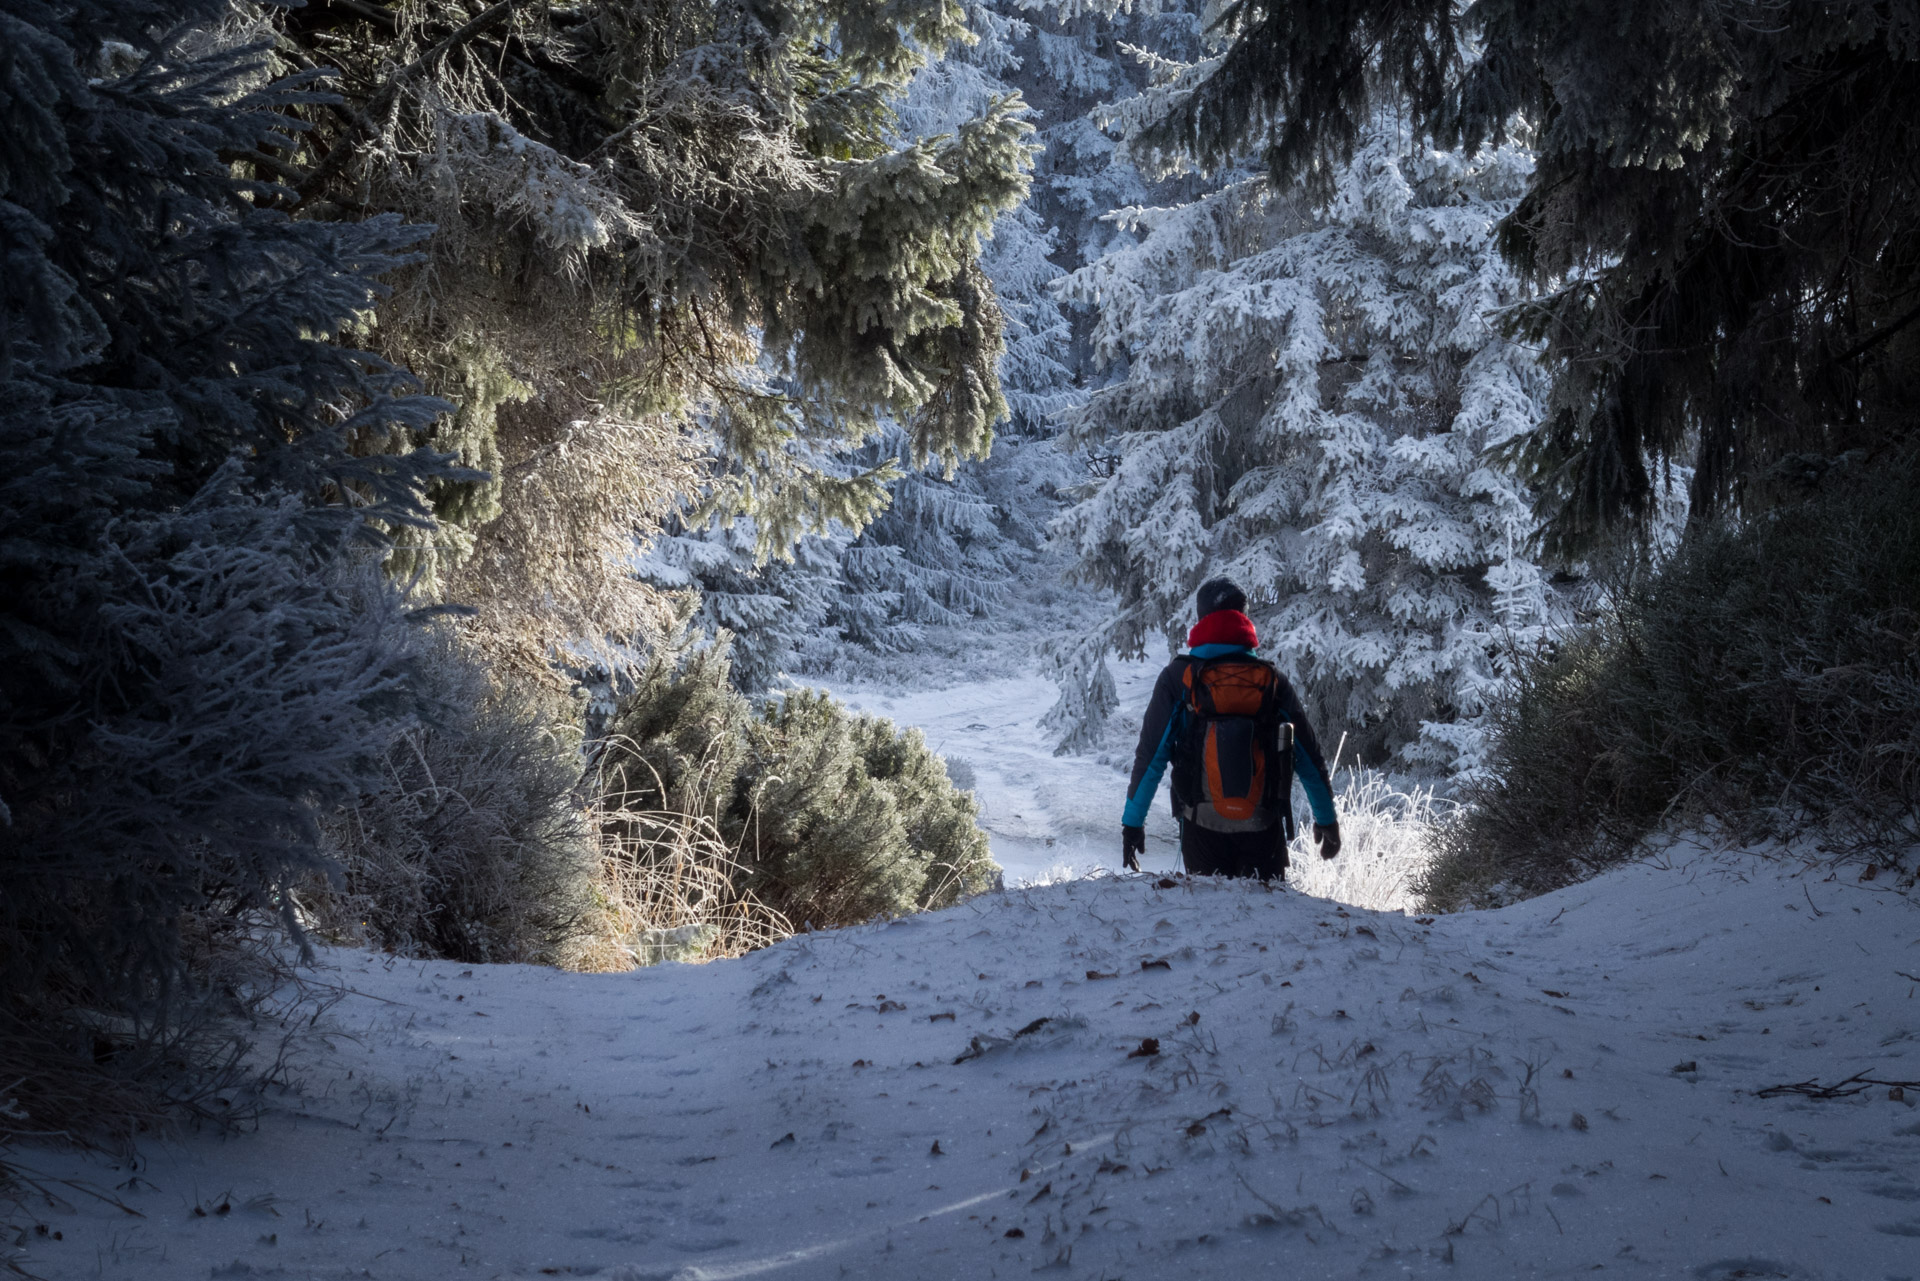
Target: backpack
1233,754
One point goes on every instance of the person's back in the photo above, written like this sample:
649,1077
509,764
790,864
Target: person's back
1233,730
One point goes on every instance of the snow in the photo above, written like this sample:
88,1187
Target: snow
1564,1086
1047,817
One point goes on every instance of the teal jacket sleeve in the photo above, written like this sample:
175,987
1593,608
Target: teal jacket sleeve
1140,796
1155,749
1309,765
1314,782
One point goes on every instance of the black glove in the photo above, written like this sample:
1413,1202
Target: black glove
1133,843
1327,837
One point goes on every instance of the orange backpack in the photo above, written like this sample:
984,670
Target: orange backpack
1233,756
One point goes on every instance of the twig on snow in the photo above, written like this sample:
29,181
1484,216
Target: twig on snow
1388,1177
1858,1083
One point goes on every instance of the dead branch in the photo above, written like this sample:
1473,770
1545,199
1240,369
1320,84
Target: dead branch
1858,1083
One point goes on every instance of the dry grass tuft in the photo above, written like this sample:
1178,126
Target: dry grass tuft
1386,835
670,886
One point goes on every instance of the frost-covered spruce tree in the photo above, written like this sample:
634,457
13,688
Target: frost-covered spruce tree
775,608
1309,398
941,550
1079,61
1018,258
938,555
1722,219
195,659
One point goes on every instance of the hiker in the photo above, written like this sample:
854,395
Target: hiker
1233,730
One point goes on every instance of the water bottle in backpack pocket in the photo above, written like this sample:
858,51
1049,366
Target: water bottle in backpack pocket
1233,759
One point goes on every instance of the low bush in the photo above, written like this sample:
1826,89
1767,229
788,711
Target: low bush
475,844
1766,676
832,817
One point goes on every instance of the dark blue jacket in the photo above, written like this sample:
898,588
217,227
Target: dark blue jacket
1160,729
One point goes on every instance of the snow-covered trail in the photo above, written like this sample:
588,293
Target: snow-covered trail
1048,817
1565,1086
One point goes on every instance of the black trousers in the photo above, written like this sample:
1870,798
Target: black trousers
1210,853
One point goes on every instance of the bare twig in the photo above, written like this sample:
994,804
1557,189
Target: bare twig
1383,1174
1858,1083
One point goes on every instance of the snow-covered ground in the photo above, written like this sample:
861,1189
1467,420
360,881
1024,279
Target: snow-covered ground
1051,818
1568,1086
1048,817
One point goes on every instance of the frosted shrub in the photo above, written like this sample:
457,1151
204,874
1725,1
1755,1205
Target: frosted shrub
1387,838
474,845
826,817
1767,676
195,662
142,883
961,771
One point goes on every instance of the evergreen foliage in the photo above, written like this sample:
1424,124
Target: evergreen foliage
1724,216
1309,393
950,538
834,817
776,610
1767,676
1087,66
474,844
938,555
937,563
941,98
196,657
686,239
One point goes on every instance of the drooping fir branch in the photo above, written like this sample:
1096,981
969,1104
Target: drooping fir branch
1724,213
666,214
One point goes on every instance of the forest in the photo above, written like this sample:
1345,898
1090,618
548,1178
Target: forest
451,453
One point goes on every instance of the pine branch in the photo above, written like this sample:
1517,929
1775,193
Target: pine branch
1873,340
461,35
370,12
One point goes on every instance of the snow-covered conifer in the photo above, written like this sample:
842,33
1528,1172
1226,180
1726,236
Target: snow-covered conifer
943,552
1308,401
775,609
196,659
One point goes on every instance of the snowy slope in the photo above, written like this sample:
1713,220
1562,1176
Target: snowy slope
1047,817
1050,818
1335,1094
